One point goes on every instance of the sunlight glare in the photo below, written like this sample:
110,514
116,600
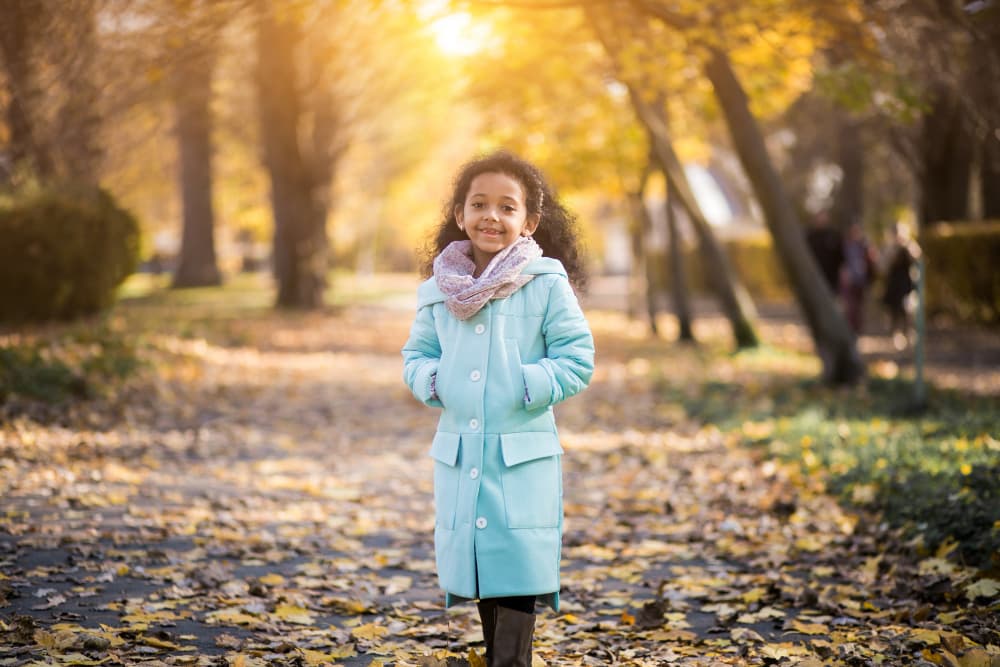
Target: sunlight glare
457,35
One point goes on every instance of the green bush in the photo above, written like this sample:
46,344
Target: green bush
962,277
83,362
64,252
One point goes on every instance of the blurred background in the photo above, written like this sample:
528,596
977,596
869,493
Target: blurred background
708,148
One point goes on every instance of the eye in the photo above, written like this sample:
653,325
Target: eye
476,204
509,208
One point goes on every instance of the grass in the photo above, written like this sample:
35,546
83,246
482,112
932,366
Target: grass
934,473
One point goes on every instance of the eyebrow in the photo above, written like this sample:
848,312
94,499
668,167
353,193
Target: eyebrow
483,194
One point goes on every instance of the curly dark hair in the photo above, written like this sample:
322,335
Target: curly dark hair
556,233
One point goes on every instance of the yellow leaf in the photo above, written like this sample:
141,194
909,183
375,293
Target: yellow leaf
746,634
159,643
294,614
313,657
984,588
570,618
809,544
476,660
863,494
46,640
370,631
671,635
319,658
232,616
937,566
946,548
145,618
122,570
342,652
807,628
976,657
754,595
345,605
929,637
273,579
627,618
81,659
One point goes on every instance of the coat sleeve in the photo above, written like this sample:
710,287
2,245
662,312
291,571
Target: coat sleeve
569,362
421,355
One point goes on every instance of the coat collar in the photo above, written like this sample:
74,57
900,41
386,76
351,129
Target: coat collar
428,292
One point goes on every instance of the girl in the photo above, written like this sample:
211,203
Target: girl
498,339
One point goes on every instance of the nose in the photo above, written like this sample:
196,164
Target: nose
490,214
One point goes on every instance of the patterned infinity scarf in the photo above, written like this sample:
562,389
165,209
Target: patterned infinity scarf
466,295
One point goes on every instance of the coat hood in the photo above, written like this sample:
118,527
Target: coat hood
428,293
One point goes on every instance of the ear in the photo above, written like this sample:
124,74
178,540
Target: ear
459,215
530,224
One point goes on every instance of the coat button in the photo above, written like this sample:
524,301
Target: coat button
480,328
481,522
475,375
473,424
474,473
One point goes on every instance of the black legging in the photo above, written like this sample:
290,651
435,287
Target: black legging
521,603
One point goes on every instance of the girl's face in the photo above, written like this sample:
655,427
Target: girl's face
494,215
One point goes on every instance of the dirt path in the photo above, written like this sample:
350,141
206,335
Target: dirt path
271,504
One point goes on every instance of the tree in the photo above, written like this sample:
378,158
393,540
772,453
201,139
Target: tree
21,41
735,301
938,73
299,225
192,62
558,74
835,343
644,288
678,279
79,121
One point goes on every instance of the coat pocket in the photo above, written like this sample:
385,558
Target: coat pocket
514,371
532,479
447,475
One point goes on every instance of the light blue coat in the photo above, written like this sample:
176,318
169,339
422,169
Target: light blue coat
497,458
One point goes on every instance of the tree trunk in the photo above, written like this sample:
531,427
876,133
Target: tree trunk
300,234
80,116
989,180
678,280
192,90
639,287
848,203
326,152
643,285
24,23
835,343
733,297
946,147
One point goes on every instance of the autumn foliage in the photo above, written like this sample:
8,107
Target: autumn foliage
257,490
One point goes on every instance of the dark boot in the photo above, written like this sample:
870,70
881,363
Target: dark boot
488,616
512,641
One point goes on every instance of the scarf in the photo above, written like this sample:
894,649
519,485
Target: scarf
465,295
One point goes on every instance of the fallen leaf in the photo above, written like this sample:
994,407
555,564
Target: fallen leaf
984,588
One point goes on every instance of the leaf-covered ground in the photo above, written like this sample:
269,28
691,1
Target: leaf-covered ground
259,493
